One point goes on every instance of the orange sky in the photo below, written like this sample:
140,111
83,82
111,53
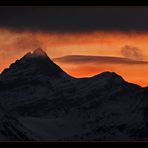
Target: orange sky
14,44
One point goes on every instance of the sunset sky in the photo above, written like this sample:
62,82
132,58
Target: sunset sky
83,41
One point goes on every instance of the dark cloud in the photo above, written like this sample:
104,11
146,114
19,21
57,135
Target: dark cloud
75,18
82,59
132,52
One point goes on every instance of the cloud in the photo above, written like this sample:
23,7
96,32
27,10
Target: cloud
132,52
27,41
82,59
74,18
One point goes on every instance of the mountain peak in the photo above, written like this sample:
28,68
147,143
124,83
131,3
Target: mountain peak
36,62
109,76
39,52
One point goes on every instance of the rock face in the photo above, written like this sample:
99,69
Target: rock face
39,101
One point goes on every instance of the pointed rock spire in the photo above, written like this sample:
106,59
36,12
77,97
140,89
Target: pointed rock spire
39,52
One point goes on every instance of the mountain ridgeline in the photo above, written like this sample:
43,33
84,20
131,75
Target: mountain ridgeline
40,102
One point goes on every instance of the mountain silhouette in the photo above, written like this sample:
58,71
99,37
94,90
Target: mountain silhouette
39,101
38,61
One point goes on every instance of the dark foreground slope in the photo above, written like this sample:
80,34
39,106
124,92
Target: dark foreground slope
39,101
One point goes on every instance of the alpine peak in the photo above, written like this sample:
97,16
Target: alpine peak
39,52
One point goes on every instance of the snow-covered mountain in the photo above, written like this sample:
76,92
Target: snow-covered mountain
39,101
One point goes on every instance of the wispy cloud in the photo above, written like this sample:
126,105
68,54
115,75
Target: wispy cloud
27,41
83,59
132,52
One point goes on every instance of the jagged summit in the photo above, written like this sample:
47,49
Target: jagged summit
39,52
